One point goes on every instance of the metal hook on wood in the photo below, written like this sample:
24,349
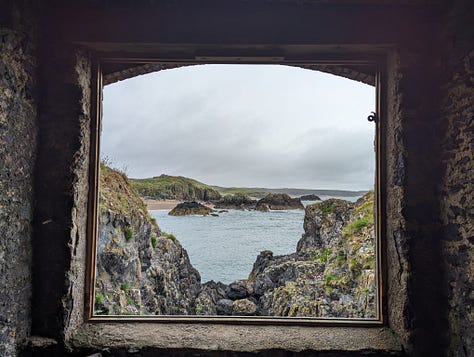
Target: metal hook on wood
372,117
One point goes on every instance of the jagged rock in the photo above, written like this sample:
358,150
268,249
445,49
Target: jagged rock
323,223
262,207
333,272
311,197
279,201
239,289
139,269
236,201
190,208
244,307
224,307
209,297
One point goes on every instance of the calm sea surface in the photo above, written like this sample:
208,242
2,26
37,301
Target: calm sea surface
224,248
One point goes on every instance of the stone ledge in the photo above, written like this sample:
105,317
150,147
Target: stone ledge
235,338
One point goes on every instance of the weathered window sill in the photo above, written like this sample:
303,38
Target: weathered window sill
236,338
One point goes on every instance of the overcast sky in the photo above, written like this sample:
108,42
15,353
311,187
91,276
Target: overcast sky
241,125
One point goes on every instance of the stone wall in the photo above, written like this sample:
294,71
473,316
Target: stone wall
429,191
61,188
18,133
457,186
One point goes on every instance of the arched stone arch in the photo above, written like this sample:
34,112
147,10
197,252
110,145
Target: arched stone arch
115,72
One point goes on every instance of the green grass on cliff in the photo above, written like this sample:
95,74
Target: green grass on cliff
366,212
116,195
166,186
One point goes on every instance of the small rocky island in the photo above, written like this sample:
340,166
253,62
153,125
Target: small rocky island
311,197
190,208
144,271
278,201
236,201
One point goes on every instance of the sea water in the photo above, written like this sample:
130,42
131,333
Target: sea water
224,248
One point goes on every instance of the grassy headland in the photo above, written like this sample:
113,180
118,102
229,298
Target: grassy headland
174,187
184,188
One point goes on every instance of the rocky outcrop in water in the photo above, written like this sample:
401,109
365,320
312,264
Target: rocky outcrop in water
190,208
278,201
236,201
142,270
310,198
331,274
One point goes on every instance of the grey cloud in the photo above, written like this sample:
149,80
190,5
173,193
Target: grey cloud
270,126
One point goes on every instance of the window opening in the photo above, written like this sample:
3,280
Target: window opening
237,190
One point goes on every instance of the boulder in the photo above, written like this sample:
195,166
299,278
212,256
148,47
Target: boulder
190,208
239,289
224,307
262,207
244,307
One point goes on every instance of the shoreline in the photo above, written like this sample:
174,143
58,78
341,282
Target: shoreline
152,205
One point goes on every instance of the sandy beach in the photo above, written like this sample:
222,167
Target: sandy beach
160,204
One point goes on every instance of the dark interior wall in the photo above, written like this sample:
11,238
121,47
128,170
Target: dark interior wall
457,185
61,189
18,133
430,83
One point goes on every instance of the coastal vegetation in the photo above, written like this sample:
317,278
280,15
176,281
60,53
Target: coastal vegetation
174,187
184,188
143,270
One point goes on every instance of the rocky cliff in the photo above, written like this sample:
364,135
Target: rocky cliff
174,187
331,274
140,269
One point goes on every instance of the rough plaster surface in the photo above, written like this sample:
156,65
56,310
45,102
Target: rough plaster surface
234,338
457,187
395,239
62,192
17,154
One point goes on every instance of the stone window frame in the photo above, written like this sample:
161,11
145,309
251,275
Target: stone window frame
71,324
316,62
